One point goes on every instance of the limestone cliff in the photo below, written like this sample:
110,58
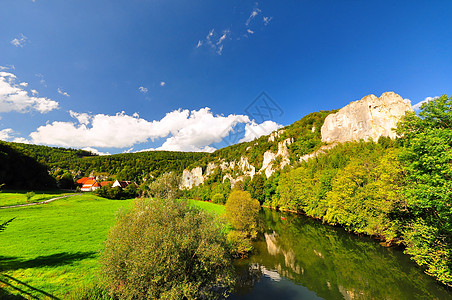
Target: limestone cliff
370,117
191,178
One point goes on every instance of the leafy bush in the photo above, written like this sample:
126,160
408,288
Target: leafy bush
165,187
164,249
117,192
29,195
242,213
218,199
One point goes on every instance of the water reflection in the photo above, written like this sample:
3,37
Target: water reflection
300,258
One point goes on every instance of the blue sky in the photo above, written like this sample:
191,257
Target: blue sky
131,75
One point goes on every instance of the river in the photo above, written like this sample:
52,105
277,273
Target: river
301,258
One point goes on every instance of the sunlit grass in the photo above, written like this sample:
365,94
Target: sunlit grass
208,206
55,247
8,198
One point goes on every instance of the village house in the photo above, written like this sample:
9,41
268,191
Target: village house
90,184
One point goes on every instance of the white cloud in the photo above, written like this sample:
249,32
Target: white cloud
24,84
162,83
143,90
254,130
14,98
418,105
61,92
267,20
184,130
95,151
8,67
41,79
223,37
5,134
82,118
20,41
243,31
8,135
34,92
256,11
220,50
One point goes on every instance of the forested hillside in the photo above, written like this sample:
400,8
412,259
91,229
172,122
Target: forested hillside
126,166
397,190
21,171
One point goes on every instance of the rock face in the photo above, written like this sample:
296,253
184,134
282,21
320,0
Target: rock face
191,178
270,157
370,117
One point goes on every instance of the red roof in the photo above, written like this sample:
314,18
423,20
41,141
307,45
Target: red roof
96,184
90,181
82,180
104,183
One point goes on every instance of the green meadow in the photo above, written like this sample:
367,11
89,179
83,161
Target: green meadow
8,198
50,250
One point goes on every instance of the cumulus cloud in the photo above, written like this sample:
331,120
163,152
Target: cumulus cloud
5,134
8,135
162,83
61,92
418,105
184,130
95,151
14,98
24,84
254,130
143,90
20,41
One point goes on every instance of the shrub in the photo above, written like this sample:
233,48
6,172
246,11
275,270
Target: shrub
165,187
164,249
29,195
242,213
218,199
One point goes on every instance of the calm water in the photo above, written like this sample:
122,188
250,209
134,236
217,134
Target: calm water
300,258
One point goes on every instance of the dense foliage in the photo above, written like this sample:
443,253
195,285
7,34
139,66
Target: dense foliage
117,193
164,249
19,171
427,155
125,166
242,213
164,187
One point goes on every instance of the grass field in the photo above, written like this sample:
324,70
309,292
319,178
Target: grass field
49,250
8,198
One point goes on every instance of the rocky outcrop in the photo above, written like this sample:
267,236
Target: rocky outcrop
370,117
270,157
191,178
314,154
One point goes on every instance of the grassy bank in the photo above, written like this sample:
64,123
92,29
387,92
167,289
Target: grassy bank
49,250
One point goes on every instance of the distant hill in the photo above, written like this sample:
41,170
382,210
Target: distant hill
20,171
126,166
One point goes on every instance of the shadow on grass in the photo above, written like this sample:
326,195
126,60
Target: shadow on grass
10,263
24,289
